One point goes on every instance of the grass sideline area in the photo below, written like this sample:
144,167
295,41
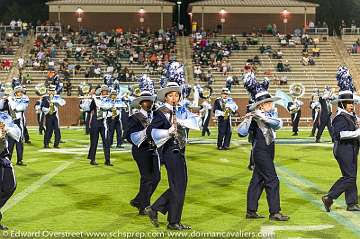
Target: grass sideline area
58,191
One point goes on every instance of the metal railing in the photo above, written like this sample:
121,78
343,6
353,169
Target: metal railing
48,29
317,31
350,31
8,28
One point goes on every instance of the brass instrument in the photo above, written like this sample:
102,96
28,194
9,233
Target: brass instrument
52,105
84,88
137,92
297,90
227,113
113,112
40,89
8,90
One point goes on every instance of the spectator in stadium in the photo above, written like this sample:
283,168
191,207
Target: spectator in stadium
277,55
280,66
244,46
315,51
256,60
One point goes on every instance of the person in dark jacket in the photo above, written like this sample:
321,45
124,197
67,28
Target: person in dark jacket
346,145
143,148
325,113
8,183
262,123
167,129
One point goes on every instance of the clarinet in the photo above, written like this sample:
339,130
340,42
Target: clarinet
175,136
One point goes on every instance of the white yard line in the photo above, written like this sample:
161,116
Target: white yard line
269,231
35,186
224,160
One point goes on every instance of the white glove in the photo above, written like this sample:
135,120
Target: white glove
172,129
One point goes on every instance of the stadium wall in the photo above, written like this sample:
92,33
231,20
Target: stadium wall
236,23
107,21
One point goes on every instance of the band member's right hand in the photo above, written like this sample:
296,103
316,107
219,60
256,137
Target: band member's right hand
172,129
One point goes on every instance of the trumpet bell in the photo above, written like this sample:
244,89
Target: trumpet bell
40,89
297,90
84,88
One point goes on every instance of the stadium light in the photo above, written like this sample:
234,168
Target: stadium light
222,13
79,11
179,4
285,15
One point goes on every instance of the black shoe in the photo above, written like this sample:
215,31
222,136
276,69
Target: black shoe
253,215
353,208
295,134
56,146
219,148
20,163
107,163
93,162
185,227
3,227
317,141
152,215
46,146
119,146
175,227
135,204
327,202
142,212
278,217
27,142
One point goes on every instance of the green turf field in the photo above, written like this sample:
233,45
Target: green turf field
60,192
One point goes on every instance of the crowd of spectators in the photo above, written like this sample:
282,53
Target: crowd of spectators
70,54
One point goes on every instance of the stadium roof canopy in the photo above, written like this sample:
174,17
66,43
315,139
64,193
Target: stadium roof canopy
255,3
111,2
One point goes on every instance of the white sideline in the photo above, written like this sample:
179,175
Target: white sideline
34,186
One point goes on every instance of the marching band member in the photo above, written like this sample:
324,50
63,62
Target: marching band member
40,90
346,147
294,108
205,110
39,116
325,113
262,122
8,130
224,107
167,129
86,96
18,104
99,109
143,148
125,111
315,109
114,119
50,107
